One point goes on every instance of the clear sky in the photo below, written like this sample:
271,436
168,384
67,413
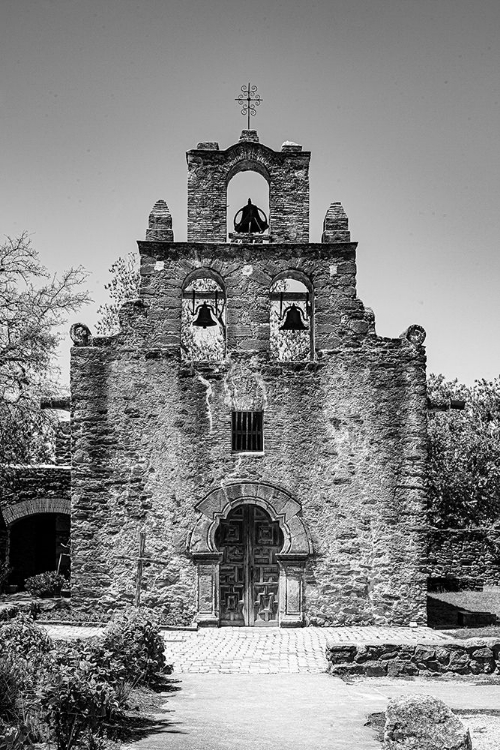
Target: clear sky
398,100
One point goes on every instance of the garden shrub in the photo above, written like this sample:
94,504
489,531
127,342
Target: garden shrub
22,636
72,692
135,647
28,643
10,686
20,721
14,737
7,613
49,583
75,704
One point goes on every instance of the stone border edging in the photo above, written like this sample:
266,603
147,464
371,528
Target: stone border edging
471,656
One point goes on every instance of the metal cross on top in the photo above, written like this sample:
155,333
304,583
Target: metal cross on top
248,100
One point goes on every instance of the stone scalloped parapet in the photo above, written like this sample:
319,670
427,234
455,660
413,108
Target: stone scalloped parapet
160,223
336,225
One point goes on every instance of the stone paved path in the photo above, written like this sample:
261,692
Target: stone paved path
262,651
291,711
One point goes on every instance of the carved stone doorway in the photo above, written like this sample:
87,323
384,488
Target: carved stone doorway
283,540
249,542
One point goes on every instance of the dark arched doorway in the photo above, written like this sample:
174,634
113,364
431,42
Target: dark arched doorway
36,543
249,542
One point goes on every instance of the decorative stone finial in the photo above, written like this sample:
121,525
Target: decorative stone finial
249,135
160,223
80,334
336,225
415,334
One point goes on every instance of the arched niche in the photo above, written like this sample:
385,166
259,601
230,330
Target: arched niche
203,300
38,537
242,185
291,289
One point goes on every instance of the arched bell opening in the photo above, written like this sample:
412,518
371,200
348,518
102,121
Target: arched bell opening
38,543
203,316
243,186
249,542
292,317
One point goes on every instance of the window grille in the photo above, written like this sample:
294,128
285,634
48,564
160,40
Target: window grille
247,431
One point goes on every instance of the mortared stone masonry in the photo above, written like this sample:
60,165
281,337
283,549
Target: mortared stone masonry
343,464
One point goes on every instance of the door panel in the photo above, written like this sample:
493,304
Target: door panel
232,568
265,569
249,572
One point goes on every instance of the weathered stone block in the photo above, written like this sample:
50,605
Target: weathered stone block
421,722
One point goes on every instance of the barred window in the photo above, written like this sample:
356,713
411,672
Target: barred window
247,431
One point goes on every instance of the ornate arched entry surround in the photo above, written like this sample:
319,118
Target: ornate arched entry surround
281,507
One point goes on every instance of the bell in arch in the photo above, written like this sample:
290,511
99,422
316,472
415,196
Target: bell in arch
204,318
250,219
293,320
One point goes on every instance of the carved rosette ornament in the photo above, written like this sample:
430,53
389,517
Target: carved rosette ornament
415,335
80,334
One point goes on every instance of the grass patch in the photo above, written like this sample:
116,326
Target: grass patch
491,631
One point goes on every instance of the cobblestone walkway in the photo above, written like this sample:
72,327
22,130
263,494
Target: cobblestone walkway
262,651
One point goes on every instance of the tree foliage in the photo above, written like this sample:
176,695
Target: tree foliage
124,285
464,454
33,306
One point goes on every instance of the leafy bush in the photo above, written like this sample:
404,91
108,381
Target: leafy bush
14,737
7,613
134,646
20,721
463,479
10,686
49,583
29,645
75,704
72,692
22,636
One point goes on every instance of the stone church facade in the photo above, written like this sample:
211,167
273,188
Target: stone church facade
247,442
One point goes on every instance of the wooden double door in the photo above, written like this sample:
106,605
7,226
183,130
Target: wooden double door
249,572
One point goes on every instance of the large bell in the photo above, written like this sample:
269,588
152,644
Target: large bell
204,318
293,320
252,219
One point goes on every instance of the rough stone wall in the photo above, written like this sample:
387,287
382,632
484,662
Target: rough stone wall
465,555
248,270
286,171
344,434
471,656
37,487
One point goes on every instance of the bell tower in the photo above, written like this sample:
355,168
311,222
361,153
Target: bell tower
286,172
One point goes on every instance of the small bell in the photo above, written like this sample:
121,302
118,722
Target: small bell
204,318
293,320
